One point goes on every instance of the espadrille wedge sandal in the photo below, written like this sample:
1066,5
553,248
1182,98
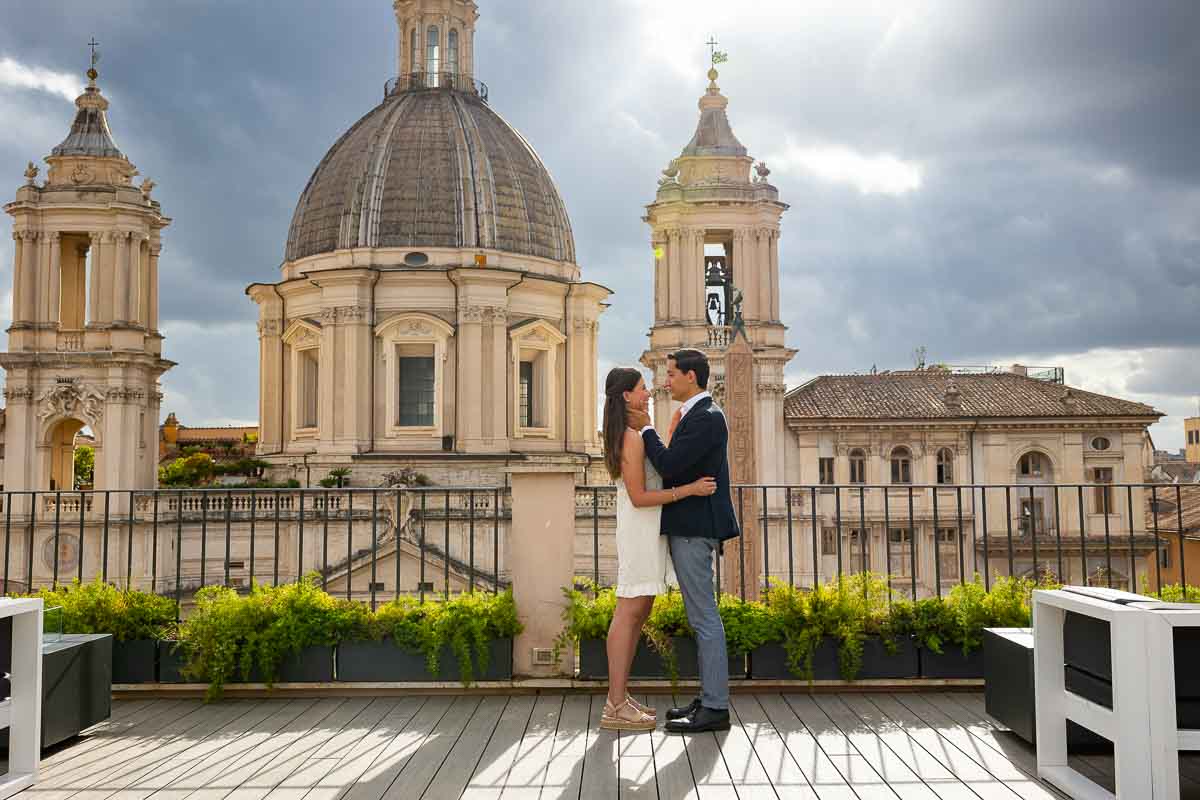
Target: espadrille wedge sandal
625,717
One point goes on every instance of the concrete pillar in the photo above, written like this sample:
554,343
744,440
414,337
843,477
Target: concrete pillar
152,321
541,555
499,361
745,274
470,367
271,398
776,287
762,269
29,276
93,278
661,279
326,381
121,282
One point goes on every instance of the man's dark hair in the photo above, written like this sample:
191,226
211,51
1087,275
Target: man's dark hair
692,361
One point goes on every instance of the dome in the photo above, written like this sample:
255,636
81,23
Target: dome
432,168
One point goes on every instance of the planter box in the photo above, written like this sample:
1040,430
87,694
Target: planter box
593,660
170,662
951,663
384,662
76,685
134,661
770,661
310,665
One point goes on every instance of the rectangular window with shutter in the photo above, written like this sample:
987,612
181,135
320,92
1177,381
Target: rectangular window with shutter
527,395
1103,501
826,467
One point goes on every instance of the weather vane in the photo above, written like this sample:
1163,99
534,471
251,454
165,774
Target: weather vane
718,56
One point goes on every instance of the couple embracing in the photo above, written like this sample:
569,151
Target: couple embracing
673,511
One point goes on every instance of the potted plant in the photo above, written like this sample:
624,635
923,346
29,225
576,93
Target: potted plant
950,631
137,621
284,633
468,638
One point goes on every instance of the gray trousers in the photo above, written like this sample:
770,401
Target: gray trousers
693,559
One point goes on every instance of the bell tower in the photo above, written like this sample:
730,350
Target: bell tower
84,348
437,42
714,231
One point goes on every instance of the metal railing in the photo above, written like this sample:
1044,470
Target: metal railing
173,542
416,81
926,538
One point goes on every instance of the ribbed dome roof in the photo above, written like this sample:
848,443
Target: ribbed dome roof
432,168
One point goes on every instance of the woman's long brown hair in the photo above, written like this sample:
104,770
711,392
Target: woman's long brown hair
619,381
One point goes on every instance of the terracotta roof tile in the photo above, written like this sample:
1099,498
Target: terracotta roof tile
923,395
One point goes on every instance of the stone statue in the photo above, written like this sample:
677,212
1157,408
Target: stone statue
763,172
670,174
31,173
739,322
147,187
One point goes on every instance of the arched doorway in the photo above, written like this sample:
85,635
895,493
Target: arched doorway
63,440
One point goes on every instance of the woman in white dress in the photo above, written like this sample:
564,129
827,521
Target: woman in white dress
643,558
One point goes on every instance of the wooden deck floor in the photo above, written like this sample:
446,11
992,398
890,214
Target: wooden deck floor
867,746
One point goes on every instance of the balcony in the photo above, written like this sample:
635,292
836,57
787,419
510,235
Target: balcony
719,337
420,81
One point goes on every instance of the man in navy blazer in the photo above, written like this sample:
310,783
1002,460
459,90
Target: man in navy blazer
696,527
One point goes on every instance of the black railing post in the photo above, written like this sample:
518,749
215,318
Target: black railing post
765,538
1008,521
349,545
1182,563
421,550
863,538
1082,533
471,541
791,546
179,558
153,547
912,543
496,542
203,537
937,546
300,541
253,518
815,540
8,501
103,544
325,541
29,551
446,551
396,525
741,550
375,541
1058,536
887,541
1033,532
1133,587
596,539
962,560
278,493
987,552
837,510
228,531
57,518
1106,508
1157,541
129,542
79,570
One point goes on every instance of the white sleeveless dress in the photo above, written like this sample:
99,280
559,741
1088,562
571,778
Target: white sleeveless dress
643,557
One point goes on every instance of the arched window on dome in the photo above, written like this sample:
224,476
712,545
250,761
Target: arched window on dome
414,49
452,53
433,57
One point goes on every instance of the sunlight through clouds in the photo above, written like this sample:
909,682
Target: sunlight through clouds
14,74
878,174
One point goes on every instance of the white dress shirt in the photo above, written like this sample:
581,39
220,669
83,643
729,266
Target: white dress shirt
685,408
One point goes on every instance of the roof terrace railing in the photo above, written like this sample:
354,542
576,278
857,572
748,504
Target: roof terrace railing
422,81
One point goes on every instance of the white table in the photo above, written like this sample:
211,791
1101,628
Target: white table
1128,724
22,713
1166,738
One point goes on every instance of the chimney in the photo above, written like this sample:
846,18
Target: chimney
1020,369
953,397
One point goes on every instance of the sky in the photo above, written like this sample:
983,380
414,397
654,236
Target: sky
997,181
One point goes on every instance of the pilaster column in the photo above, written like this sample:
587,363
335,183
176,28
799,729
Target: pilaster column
674,274
693,269
499,360
108,269
660,279
270,377
744,277
326,380
93,278
141,271
152,298
776,283
53,301
18,272
29,278
121,282
470,367
762,268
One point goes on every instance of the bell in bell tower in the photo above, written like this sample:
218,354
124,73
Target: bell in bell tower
84,349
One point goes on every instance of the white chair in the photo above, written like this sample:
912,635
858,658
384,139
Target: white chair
22,713
1166,738
1130,721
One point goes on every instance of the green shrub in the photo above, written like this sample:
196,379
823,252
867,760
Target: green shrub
1175,593
98,607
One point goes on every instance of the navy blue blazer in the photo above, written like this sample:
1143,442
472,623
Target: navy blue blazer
698,450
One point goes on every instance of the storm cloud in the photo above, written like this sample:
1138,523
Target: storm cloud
995,181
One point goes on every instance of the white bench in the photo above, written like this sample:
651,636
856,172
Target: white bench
22,713
1142,723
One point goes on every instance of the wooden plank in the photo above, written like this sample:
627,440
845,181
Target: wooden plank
745,769
529,770
564,773
99,747
708,765
199,754
421,769
858,773
262,754
341,745
404,746
980,768
121,754
228,758
455,773
635,770
910,752
298,752
490,772
898,775
780,768
672,770
822,775
147,757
